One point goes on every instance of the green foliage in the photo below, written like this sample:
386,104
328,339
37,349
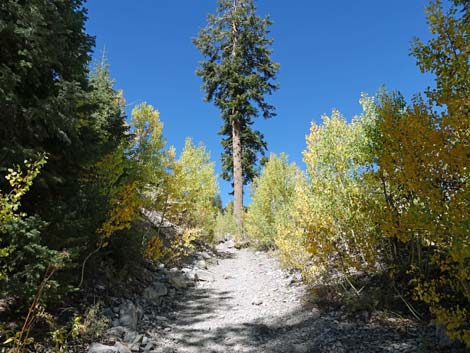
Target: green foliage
271,199
49,102
336,158
237,75
108,107
92,326
193,186
322,225
146,149
44,53
23,255
23,268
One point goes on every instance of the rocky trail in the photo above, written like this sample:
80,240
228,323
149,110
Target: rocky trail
244,302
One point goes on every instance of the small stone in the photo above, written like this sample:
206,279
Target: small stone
202,264
316,313
257,301
205,276
149,346
130,336
118,331
120,348
179,281
101,348
299,348
161,318
137,339
191,275
205,255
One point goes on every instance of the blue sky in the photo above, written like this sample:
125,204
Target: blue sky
329,51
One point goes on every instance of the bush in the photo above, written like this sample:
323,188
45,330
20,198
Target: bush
271,197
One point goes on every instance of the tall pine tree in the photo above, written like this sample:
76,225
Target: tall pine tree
238,73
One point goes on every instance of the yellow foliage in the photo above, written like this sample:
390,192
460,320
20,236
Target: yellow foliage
331,210
291,236
180,246
20,182
10,202
423,168
155,249
191,187
124,209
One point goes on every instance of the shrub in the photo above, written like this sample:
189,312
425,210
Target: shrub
271,196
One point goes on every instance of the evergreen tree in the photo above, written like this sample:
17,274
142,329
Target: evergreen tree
49,103
238,73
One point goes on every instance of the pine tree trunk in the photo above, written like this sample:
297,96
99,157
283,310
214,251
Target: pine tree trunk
236,148
237,176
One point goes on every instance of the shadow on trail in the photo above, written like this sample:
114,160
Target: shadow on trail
298,331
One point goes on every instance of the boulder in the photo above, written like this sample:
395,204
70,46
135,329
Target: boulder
178,281
154,292
102,348
129,315
229,244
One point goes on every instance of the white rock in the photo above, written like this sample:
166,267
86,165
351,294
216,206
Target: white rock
316,313
205,276
205,255
202,264
191,275
179,281
128,315
118,331
102,348
120,348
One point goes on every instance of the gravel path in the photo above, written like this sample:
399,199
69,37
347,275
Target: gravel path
248,304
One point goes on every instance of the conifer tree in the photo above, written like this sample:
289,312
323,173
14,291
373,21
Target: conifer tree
238,73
